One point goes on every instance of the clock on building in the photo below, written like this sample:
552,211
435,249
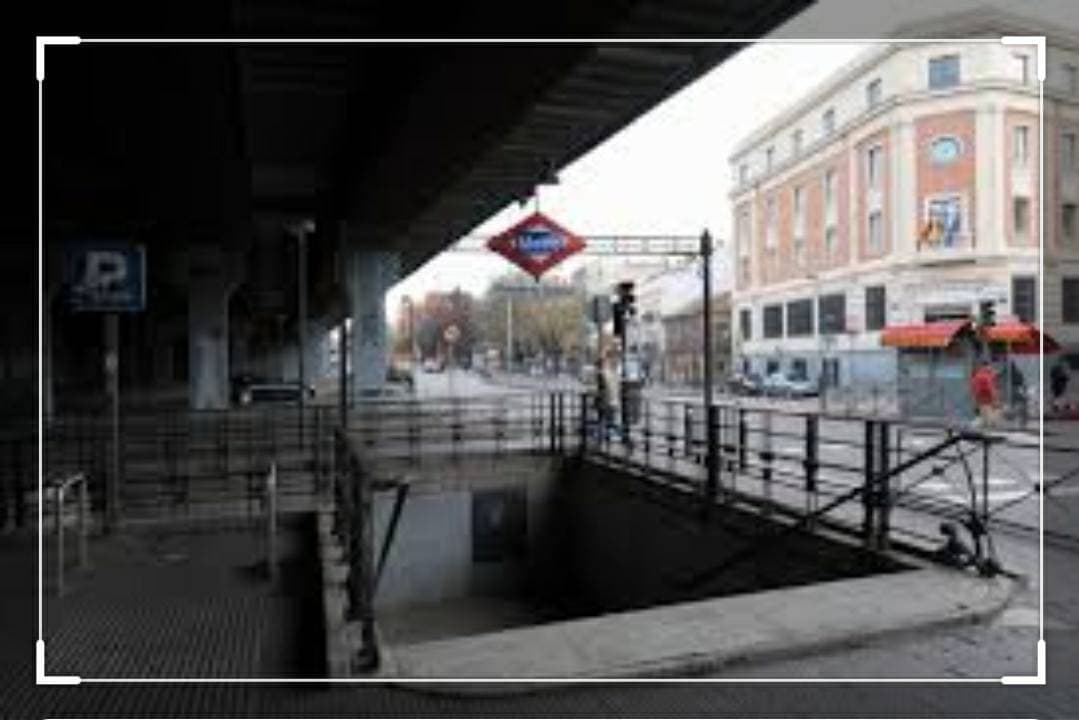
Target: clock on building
945,150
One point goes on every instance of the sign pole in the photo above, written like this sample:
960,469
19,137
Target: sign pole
710,412
112,381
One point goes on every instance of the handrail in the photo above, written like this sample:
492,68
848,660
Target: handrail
60,486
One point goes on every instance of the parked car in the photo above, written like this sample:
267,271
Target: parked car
780,385
284,392
745,384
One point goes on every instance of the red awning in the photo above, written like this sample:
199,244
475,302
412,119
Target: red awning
927,335
1021,338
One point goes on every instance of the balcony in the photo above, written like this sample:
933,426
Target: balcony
958,246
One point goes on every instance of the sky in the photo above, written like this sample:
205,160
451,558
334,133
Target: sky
668,172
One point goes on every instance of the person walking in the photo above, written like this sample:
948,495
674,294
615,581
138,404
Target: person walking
1058,384
983,390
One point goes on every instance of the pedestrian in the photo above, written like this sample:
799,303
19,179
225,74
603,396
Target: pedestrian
983,390
1058,384
1018,394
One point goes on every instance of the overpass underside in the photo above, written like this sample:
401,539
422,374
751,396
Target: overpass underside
280,188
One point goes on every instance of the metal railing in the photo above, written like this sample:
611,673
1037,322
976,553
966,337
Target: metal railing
894,482
180,462
59,489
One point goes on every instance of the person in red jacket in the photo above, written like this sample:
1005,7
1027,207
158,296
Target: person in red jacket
983,390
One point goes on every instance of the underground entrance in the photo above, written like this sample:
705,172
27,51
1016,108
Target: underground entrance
495,562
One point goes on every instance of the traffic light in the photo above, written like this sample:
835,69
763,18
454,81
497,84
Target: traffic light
626,298
987,313
618,315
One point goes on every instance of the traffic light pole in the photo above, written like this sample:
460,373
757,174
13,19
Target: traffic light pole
711,487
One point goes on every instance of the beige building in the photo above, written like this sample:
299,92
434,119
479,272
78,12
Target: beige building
906,189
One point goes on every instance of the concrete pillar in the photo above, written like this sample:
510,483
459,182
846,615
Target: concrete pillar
316,350
369,274
208,331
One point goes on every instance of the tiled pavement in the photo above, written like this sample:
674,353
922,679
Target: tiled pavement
217,599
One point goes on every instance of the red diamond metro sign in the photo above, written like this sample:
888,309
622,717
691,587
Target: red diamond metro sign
536,244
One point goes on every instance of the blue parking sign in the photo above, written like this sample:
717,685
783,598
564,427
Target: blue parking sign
105,277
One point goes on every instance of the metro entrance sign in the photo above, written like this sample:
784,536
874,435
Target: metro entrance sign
536,244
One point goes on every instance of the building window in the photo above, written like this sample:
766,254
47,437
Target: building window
771,232
799,369
831,241
873,159
769,158
873,93
829,192
745,320
799,318
1024,298
1020,147
1067,223
829,372
1021,216
1022,65
1069,300
875,310
943,71
1071,79
796,143
827,122
876,232
1067,151
832,311
773,321
771,367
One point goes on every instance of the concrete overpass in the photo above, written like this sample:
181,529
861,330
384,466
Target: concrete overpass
213,155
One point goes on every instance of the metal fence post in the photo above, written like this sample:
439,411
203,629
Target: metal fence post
561,423
811,467
584,422
767,457
883,489
743,435
687,425
551,422
711,433
869,486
